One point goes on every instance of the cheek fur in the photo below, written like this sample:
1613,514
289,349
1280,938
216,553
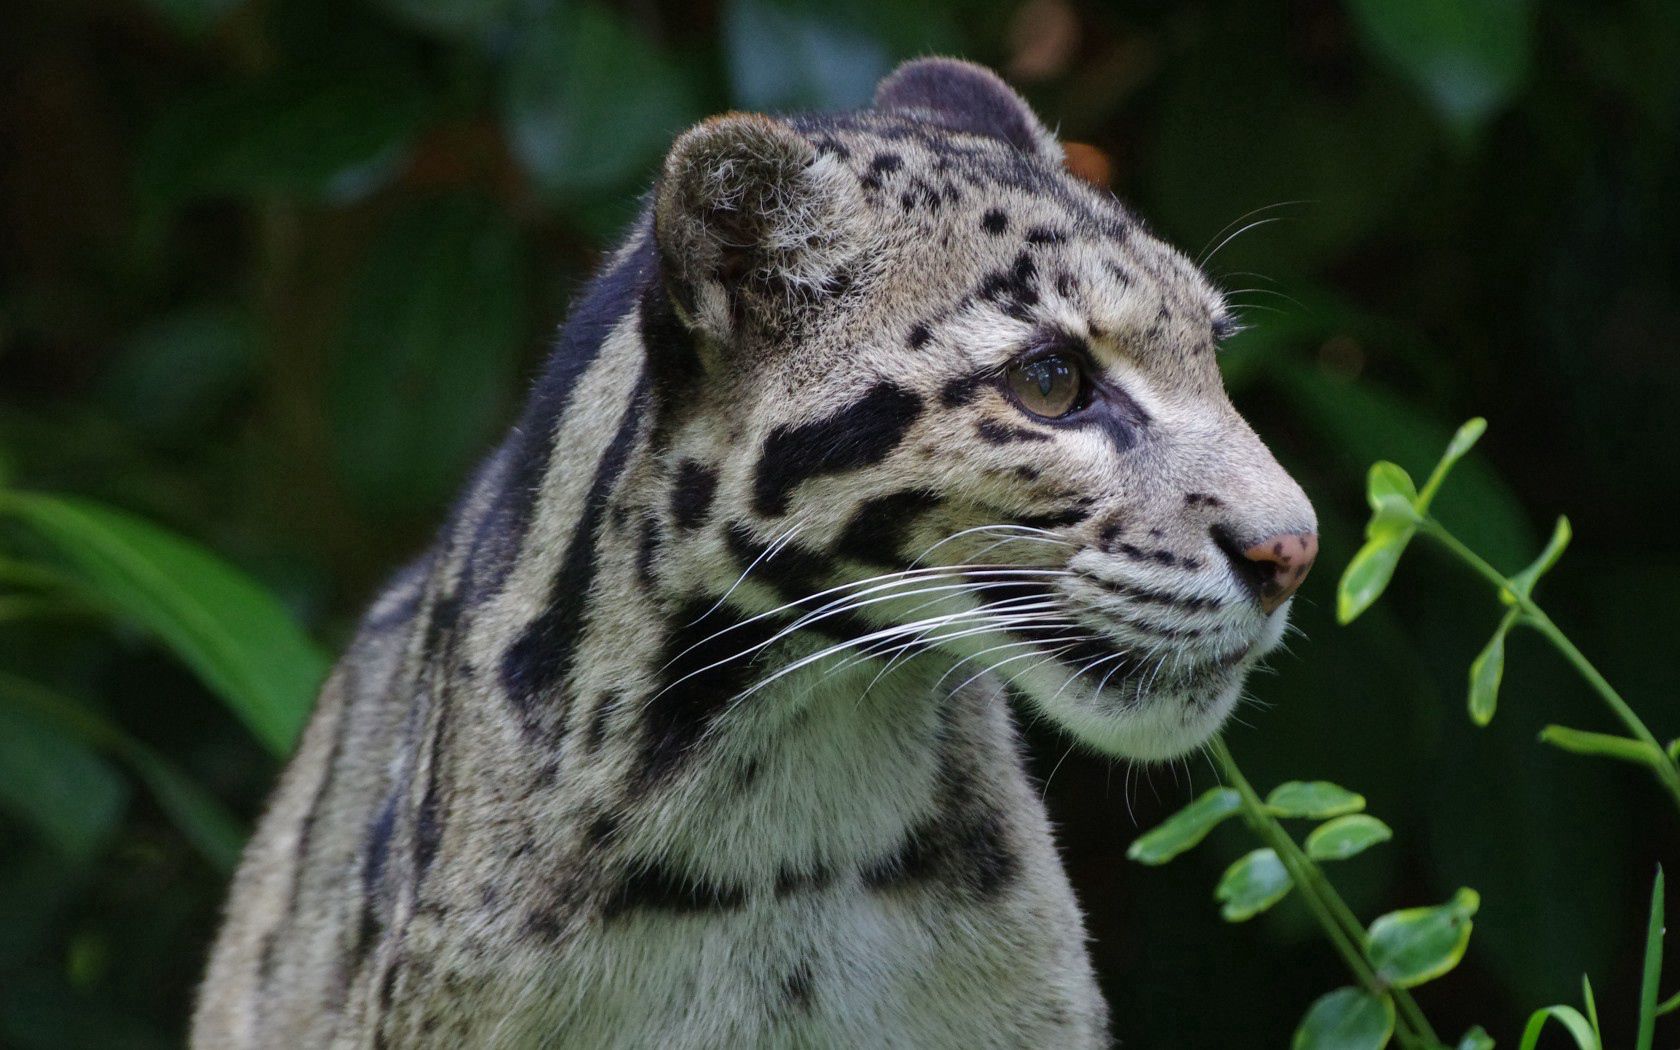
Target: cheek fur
859,435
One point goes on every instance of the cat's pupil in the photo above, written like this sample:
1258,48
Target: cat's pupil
1046,379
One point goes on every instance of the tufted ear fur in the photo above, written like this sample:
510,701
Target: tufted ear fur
966,97
750,222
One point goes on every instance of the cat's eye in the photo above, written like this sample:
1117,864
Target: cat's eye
1051,386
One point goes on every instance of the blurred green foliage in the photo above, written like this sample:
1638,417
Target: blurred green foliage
273,273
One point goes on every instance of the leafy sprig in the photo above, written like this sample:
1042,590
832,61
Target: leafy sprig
1406,948
1400,511
1397,952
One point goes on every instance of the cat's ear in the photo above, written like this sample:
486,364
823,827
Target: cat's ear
965,97
751,223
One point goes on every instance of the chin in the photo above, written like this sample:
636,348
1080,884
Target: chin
1159,725
1152,712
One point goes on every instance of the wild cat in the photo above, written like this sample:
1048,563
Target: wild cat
691,730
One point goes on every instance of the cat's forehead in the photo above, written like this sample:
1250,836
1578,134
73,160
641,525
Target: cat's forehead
981,248
919,165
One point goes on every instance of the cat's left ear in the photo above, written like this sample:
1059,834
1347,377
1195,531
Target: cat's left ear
753,225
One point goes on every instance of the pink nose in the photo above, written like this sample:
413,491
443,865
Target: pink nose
1279,564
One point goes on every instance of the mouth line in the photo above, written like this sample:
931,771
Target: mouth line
1155,630
1202,656
1150,596
1104,663
1139,605
1135,618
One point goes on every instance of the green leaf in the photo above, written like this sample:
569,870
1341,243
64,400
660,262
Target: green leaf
1592,1008
205,823
1346,1019
1463,440
1567,1016
58,786
26,575
1388,480
1396,508
1368,573
1602,745
1390,492
1346,836
1469,59
1486,672
1252,884
233,633
422,365
1186,828
16,608
1653,969
1476,1039
1416,945
590,103
1524,581
1313,800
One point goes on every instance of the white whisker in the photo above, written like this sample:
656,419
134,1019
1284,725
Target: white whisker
1206,256
1039,533
871,584
770,550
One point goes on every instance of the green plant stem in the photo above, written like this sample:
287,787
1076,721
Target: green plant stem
1663,765
1340,926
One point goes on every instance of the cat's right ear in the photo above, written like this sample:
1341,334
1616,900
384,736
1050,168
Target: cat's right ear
751,224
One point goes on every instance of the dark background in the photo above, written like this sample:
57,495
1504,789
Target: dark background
274,273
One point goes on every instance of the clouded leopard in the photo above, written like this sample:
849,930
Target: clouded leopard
691,729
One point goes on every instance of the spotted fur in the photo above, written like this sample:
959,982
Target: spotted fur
690,730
